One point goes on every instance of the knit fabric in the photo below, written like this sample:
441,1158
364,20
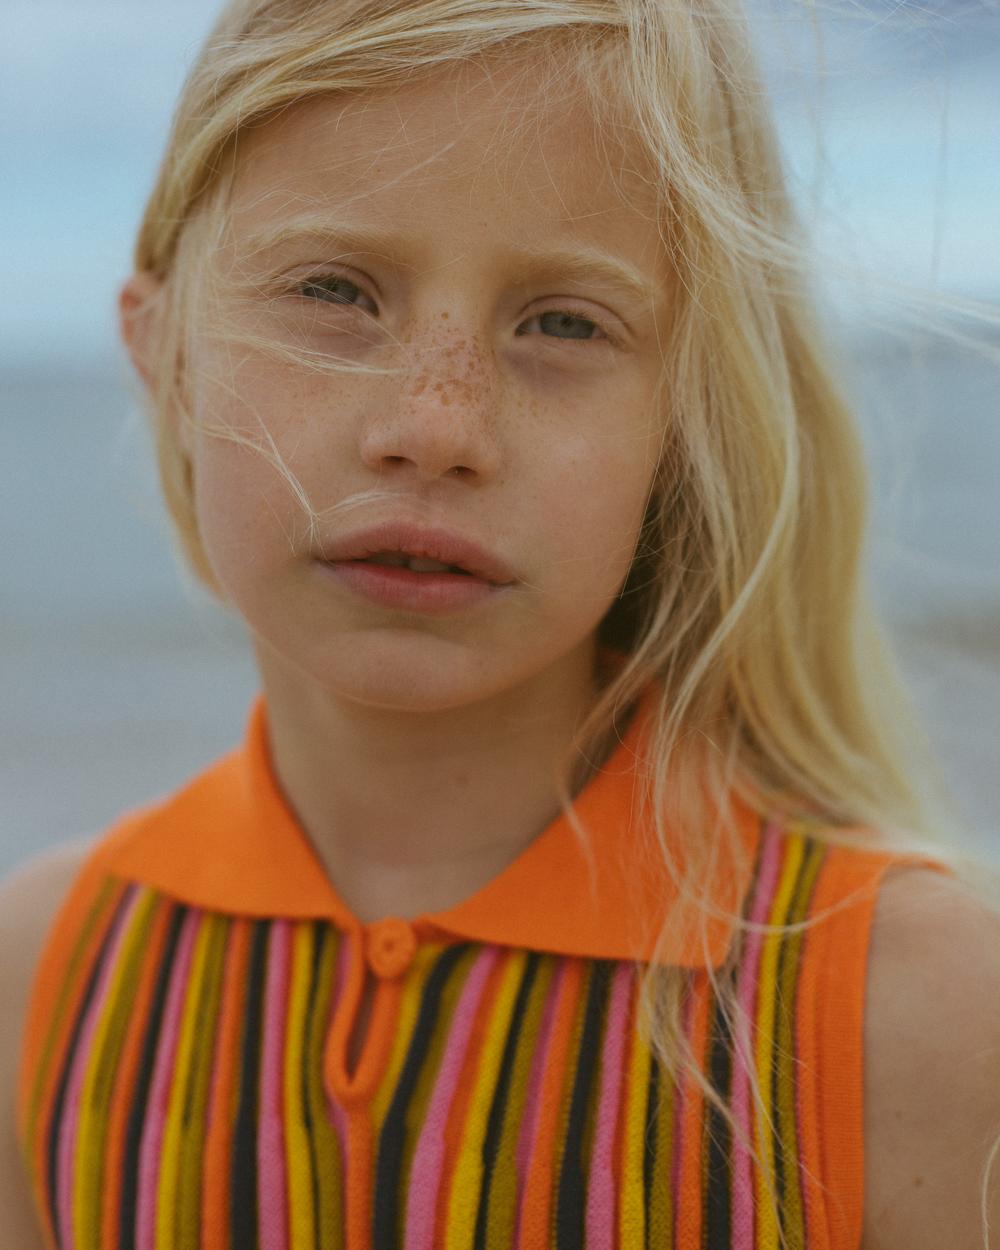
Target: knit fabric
185,1081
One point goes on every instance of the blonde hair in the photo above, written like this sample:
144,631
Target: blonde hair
745,600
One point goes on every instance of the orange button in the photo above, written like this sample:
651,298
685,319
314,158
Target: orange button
391,946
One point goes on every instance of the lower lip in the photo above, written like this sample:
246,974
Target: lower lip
415,592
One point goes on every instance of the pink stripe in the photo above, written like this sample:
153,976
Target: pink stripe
602,1184
159,1093
743,1195
529,1119
677,1108
272,1185
428,1158
342,964
69,1122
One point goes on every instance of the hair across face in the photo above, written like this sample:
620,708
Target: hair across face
439,303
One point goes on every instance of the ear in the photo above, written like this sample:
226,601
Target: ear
139,322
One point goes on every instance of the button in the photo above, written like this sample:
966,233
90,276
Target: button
391,945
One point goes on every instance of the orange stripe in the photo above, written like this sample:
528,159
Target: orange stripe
690,1184
121,1098
218,1138
536,1213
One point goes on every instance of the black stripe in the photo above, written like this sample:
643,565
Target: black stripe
389,1169
320,934
498,1106
243,1179
571,1202
128,1210
717,1143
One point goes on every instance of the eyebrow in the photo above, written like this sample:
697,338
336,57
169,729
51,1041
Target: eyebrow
586,264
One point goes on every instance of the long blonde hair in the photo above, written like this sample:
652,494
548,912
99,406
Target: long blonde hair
745,601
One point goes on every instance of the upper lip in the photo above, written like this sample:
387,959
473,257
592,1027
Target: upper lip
433,543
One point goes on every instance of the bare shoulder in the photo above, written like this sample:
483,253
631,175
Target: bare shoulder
932,1065
29,899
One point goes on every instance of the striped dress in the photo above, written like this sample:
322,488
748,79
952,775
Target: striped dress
187,1080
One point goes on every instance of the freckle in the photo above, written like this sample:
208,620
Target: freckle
918,1181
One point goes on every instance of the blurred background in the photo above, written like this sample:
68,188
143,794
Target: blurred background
120,681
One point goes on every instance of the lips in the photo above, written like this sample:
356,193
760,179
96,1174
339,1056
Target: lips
416,541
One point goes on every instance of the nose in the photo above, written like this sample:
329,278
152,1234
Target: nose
437,415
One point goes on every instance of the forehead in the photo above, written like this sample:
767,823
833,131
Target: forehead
494,146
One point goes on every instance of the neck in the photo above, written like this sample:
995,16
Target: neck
412,811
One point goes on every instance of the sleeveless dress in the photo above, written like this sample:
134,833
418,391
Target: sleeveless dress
185,1081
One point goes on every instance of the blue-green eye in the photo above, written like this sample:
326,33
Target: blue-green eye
553,321
564,325
324,289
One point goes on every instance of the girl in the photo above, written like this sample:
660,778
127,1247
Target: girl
558,894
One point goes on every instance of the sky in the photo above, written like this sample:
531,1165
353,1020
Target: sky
907,157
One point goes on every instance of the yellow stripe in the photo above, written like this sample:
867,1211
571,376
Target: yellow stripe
302,1222
467,1177
192,1147
632,1211
767,1227
95,1092
501,1225
167,1188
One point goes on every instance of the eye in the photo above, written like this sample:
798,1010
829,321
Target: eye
565,325
558,323
332,289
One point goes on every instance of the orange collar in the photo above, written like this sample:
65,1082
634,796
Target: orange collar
227,841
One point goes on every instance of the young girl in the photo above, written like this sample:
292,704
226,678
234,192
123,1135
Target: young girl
558,894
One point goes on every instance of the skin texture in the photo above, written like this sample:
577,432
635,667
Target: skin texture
395,735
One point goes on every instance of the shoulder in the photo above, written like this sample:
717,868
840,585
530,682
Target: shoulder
932,1064
30,897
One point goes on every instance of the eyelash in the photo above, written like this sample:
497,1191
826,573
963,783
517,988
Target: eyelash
317,284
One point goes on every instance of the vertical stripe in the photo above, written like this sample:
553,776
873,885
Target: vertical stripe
124,1076
786,1059
150,1150
72,1177
689,1175
301,1186
386,1198
571,1198
129,1213
743,1204
101,1058
632,1199
717,1147
602,1183
536,1220
271,1185
767,1225
42,1097
190,1010
660,1162
221,1111
483,1065
496,1221
194,1113
243,1177
326,1152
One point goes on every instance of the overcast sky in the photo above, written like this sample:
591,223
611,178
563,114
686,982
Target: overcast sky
908,115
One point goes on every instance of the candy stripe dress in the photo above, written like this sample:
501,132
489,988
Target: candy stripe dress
186,1081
